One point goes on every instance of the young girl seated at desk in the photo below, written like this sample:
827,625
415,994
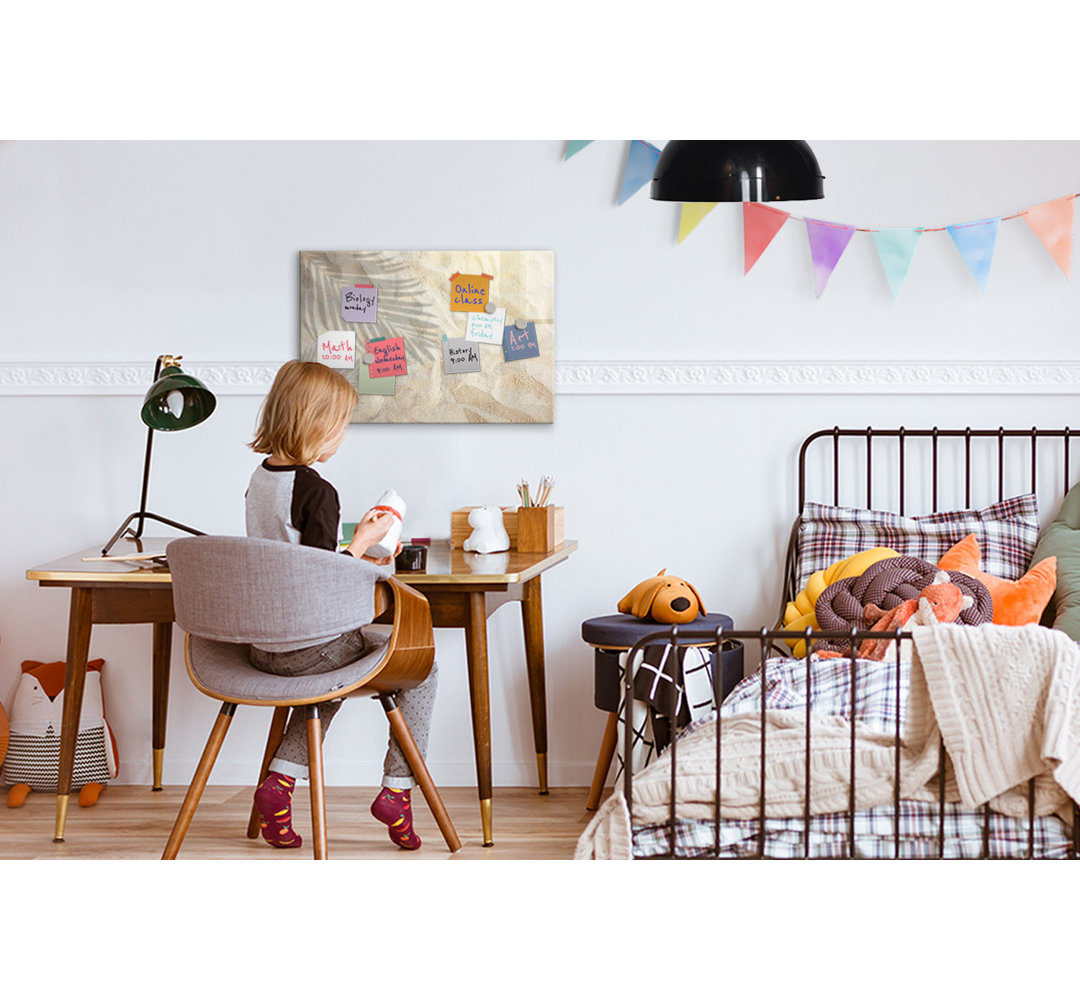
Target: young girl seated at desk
303,421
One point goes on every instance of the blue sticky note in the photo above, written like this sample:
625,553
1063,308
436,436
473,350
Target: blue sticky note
520,344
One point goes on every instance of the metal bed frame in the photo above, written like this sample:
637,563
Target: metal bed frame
767,638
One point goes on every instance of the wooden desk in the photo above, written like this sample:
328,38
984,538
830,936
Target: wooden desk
463,589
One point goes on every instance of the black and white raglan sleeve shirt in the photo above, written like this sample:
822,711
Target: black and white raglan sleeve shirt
292,503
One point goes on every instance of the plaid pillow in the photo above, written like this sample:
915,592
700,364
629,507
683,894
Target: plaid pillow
1007,532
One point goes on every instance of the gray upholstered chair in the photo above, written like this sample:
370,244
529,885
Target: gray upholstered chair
229,592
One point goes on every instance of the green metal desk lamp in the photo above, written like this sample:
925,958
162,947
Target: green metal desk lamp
174,402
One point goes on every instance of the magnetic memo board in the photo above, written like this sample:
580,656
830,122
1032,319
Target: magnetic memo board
414,292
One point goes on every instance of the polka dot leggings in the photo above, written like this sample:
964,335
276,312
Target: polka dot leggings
417,705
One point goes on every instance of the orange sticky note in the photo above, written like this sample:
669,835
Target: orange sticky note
469,292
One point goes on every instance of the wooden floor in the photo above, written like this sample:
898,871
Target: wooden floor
131,822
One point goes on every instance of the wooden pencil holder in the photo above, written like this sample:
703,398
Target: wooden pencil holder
460,528
539,529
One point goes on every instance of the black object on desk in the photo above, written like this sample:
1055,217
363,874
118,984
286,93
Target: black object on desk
411,559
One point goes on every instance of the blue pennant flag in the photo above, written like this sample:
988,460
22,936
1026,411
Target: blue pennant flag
640,164
975,241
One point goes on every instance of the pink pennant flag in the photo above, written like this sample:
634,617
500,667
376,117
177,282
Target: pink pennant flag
1052,222
828,241
760,224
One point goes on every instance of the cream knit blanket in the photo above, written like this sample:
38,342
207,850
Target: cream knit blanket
1005,700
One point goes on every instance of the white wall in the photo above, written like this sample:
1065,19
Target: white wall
113,253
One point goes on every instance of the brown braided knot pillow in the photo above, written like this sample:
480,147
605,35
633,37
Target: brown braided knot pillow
888,583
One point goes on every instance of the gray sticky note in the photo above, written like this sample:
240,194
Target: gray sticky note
460,356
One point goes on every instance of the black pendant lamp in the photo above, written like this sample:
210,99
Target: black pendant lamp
737,170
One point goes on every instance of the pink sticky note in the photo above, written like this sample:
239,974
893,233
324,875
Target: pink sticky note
389,357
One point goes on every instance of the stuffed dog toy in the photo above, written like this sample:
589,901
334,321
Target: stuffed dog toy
665,599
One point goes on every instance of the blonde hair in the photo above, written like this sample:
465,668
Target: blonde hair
305,405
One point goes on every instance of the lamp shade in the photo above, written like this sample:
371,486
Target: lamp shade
710,170
176,401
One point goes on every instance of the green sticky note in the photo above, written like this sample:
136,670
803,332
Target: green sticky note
368,386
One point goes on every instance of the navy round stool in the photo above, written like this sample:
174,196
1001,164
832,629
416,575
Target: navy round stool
615,634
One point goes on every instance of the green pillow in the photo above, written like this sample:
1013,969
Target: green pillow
1061,538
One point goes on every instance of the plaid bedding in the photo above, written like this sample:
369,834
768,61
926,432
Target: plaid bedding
879,705
1007,531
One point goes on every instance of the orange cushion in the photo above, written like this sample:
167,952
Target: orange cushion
1016,602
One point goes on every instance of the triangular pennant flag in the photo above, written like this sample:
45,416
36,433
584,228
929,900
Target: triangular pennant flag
896,247
828,241
640,164
760,224
975,241
575,146
1052,222
692,213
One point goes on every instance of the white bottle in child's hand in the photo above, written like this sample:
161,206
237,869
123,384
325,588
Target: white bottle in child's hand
392,504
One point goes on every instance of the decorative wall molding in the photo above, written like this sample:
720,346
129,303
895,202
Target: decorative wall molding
821,377
589,378
128,378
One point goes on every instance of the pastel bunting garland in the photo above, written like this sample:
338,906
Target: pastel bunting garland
1051,222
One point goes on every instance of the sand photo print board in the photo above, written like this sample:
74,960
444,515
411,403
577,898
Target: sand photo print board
402,307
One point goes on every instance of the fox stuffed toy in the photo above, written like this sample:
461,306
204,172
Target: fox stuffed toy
33,758
939,602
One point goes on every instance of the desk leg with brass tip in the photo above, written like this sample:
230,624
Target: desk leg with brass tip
61,818
78,648
532,621
476,655
159,769
485,822
162,657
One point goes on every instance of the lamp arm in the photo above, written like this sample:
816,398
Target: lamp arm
146,463
145,482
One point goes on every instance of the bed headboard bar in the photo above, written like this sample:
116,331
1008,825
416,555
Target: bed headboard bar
959,457
902,434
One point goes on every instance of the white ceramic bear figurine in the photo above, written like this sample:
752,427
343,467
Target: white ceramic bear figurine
488,532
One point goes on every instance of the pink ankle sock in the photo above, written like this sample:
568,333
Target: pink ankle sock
392,806
273,800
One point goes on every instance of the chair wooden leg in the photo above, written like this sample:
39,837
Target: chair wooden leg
420,772
198,781
603,760
273,741
315,778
